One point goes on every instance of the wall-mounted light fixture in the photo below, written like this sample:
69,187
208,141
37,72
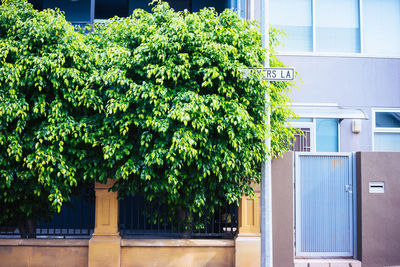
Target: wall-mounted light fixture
356,126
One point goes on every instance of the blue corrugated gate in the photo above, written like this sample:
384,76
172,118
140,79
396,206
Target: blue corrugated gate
324,204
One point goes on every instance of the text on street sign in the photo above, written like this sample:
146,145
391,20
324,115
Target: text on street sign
274,74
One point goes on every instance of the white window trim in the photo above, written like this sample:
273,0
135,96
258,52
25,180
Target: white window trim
382,129
338,135
328,54
314,28
361,21
252,10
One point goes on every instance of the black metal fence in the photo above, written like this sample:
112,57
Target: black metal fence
76,220
138,220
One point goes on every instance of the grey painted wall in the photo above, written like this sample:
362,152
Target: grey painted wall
359,82
348,81
378,214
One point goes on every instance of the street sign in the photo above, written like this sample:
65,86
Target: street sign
273,74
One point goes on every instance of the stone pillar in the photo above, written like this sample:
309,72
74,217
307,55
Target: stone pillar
248,241
105,244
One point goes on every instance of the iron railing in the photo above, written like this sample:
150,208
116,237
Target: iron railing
139,220
76,220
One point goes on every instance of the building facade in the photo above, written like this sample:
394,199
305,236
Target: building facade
347,56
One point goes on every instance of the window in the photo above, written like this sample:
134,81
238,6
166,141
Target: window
386,134
319,135
105,9
338,26
75,11
302,141
381,26
88,11
294,17
327,135
317,25
37,4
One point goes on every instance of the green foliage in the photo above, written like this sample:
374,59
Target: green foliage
157,101
42,144
182,125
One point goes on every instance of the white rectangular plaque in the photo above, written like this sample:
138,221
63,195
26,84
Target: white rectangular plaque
274,74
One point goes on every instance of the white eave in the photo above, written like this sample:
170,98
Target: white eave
328,111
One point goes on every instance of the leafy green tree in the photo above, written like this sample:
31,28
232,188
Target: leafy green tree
157,101
182,125
44,152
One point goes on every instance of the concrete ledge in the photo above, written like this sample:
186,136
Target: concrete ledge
249,235
177,243
45,242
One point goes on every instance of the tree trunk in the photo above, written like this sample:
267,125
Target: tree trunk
187,218
27,228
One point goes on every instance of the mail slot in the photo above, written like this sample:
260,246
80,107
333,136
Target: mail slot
377,187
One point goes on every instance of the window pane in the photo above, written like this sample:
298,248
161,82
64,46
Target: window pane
105,9
37,4
387,119
302,142
337,24
75,11
219,5
180,5
295,19
327,135
381,26
242,8
142,4
387,142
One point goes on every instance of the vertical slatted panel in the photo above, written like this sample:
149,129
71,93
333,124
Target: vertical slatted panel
325,207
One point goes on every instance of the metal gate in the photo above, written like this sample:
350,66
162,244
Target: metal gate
325,204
